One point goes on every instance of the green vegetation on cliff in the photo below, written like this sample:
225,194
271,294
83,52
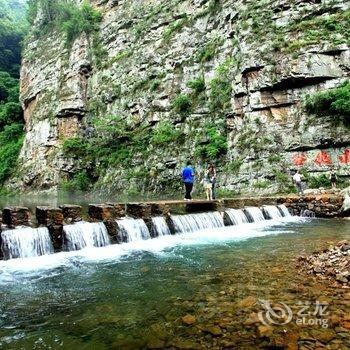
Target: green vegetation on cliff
65,16
334,103
12,30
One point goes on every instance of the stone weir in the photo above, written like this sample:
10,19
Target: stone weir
69,228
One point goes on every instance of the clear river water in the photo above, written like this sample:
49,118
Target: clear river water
137,295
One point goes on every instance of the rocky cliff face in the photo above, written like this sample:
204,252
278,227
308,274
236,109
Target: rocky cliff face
237,69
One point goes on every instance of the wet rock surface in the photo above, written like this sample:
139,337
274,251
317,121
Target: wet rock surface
16,216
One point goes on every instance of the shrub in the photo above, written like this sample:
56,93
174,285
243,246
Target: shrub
208,52
182,104
334,103
216,145
197,85
234,166
67,17
164,133
11,140
221,89
76,147
319,181
80,183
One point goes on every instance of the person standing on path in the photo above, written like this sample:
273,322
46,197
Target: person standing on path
333,178
208,185
188,180
297,180
212,176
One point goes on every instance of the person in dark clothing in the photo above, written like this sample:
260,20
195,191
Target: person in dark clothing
212,175
333,178
188,179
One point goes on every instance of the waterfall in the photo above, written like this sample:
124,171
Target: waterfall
85,235
195,222
237,216
26,242
133,229
160,227
284,210
255,214
272,211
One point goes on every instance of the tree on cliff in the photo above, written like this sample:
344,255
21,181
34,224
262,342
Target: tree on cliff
13,27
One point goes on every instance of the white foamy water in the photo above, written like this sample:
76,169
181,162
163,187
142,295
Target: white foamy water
237,216
133,229
284,210
255,214
196,222
272,211
11,269
26,242
160,226
85,235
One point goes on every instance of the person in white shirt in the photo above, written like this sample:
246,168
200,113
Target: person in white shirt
297,180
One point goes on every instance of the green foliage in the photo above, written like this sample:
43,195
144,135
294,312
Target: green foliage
182,104
262,184
76,146
113,143
319,181
233,166
333,103
274,158
13,27
81,182
197,85
155,84
208,52
11,140
173,28
215,146
66,16
165,133
221,89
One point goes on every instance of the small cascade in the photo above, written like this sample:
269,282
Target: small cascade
133,230
284,210
160,227
272,212
85,235
195,222
26,242
254,214
237,216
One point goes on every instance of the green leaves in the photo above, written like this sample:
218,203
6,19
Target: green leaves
165,133
66,16
11,140
215,146
333,103
182,104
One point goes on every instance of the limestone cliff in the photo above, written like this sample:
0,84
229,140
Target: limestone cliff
240,67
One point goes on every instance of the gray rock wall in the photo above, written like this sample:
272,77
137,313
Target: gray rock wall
260,50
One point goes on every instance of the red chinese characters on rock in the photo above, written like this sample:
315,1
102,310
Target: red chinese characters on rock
323,158
345,157
299,159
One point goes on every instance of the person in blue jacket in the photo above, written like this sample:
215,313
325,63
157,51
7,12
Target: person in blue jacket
188,179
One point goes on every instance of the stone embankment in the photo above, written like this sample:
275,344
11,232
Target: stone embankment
332,263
